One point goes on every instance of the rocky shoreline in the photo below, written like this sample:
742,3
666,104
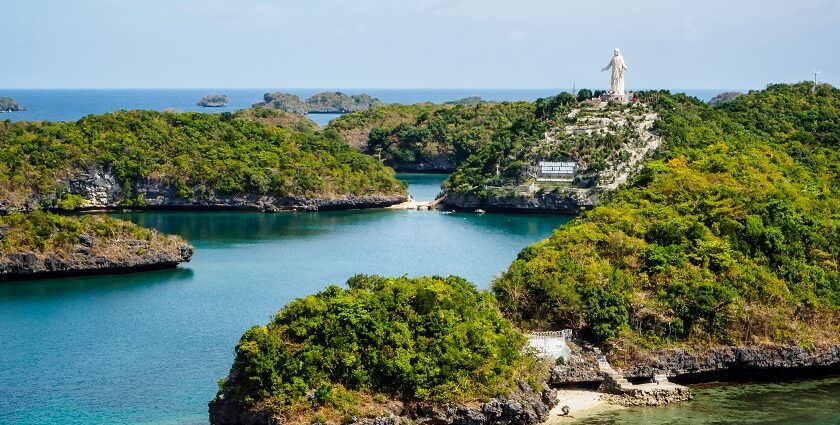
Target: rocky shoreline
525,406
91,255
565,202
708,364
100,189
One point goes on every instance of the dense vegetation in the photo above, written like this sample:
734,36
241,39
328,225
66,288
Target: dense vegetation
324,102
47,233
343,352
441,135
338,102
195,153
284,102
731,236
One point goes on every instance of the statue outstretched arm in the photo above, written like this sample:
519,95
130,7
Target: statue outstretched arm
609,65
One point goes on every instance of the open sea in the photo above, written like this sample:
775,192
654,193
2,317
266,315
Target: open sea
72,104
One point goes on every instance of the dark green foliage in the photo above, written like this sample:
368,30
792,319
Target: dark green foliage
195,153
731,236
431,338
426,133
584,94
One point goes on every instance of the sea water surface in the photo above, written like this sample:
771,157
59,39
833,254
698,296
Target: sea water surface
150,347
72,104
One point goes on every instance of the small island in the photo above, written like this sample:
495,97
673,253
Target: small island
7,104
340,103
386,351
284,102
213,101
319,103
42,244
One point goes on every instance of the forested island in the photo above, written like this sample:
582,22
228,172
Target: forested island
396,349
147,159
7,104
42,244
213,101
318,103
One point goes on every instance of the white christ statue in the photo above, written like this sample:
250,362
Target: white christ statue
618,68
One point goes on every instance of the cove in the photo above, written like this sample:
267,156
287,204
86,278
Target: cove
150,347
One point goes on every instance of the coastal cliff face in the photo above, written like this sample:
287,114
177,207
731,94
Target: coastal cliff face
566,201
705,364
525,406
45,245
100,189
733,361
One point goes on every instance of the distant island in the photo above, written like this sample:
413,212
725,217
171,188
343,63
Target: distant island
724,98
213,101
7,104
470,100
319,103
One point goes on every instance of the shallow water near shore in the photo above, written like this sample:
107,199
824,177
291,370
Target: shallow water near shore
150,347
813,402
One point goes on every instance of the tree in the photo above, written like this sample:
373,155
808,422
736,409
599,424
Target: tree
584,94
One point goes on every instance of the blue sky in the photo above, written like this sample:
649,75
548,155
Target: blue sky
415,43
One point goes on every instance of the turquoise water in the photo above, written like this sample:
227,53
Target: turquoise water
150,347
815,402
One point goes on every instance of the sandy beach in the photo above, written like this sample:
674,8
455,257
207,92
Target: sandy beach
581,402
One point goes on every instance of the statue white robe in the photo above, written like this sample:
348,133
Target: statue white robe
618,67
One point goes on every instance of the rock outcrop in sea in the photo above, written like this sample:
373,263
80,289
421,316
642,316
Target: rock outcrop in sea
7,104
213,101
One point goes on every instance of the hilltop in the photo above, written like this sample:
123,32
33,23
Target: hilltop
729,237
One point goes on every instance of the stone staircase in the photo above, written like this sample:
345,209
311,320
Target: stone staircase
613,381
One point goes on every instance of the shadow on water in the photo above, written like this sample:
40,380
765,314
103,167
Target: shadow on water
63,286
249,226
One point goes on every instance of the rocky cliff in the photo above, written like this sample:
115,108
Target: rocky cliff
100,189
524,406
706,364
7,104
713,363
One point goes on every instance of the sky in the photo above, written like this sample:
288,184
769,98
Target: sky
711,44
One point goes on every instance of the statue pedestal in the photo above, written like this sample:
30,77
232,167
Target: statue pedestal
620,98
